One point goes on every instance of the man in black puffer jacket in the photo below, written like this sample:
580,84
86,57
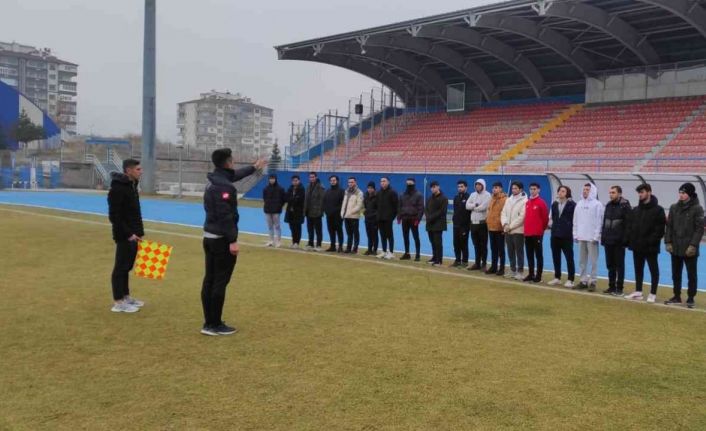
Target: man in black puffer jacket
370,202
295,210
126,218
274,198
685,228
645,231
220,236
614,240
435,213
409,215
333,201
388,205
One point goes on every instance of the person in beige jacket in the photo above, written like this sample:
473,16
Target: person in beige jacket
353,204
513,221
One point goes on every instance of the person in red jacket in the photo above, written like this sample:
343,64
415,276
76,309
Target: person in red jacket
536,222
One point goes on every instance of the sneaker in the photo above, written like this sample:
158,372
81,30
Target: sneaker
134,302
340,249
491,271
581,286
317,249
592,287
354,251
347,251
520,276
381,254
417,258
455,264
537,279
610,291
278,244
569,284
474,268
309,248
293,246
554,282
368,253
389,256
331,249
635,296
436,264
406,256
511,274
269,244
529,278
651,298
207,330
224,329
500,273
674,300
123,307
618,292
690,303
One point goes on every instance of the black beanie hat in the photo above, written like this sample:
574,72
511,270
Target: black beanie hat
689,189
371,184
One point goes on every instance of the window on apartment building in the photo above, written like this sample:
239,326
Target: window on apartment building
52,87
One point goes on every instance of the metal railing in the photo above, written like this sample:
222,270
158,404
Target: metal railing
98,166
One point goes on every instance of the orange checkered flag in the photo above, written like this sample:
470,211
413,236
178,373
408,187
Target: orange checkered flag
152,259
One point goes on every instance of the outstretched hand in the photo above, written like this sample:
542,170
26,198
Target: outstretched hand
260,164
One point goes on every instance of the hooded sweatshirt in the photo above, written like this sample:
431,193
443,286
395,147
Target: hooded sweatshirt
588,217
124,207
478,204
513,214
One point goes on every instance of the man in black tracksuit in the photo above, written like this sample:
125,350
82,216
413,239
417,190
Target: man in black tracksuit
220,237
388,204
685,228
410,215
126,218
333,200
435,213
314,211
646,225
614,240
294,215
462,224
370,203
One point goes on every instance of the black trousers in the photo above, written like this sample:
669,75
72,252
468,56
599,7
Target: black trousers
461,243
334,224
387,238
479,235
651,260
615,262
678,263
497,250
535,252
125,253
437,246
219,268
296,229
314,226
371,230
407,227
353,233
565,246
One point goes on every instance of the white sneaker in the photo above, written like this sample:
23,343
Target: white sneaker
569,284
554,282
309,248
134,302
635,296
278,244
651,298
519,276
269,244
389,256
317,249
123,307
381,254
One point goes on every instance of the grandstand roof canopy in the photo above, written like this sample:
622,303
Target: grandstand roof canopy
519,48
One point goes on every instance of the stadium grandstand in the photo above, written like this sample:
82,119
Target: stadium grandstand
594,86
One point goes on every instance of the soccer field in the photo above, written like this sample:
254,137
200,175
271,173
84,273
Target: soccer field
325,343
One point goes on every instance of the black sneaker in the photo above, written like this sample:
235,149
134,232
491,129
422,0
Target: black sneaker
416,258
207,330
331,250
528,279
224,329
368,253
610,291
491,271
592,287
690,303
500,273
618,292
406,256
347,251
537,280
474,268
673,301
580,286
456,264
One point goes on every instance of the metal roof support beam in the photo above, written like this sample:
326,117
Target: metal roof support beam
689,11
439,53
613,25
542,35
372,71
491,46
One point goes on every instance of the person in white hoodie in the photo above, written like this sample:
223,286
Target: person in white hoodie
588,223
478,205
513,221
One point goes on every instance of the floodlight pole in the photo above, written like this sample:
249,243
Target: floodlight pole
149,97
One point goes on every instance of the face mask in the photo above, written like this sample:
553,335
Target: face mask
410,187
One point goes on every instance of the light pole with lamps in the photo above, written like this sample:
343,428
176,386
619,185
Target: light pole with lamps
180,147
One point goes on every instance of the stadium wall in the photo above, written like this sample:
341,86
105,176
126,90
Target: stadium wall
12,103
447,181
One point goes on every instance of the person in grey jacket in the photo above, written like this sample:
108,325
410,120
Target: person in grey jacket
685,228
410,214
314,211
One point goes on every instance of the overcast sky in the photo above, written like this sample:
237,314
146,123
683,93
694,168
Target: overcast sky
202,45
